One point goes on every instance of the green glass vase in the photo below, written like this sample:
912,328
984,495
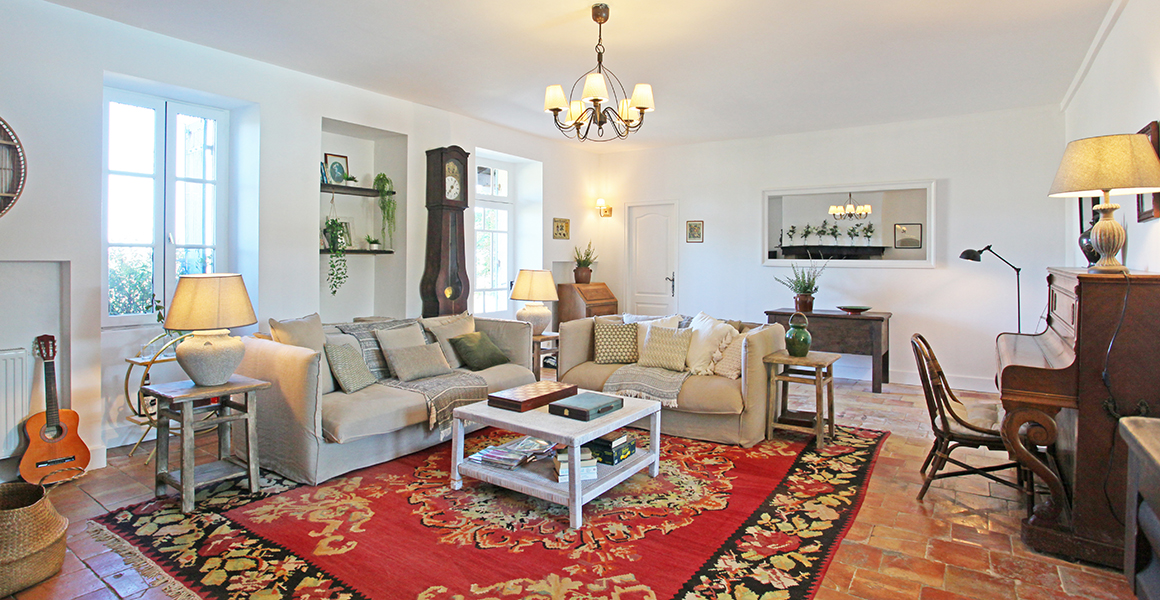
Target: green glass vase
798,338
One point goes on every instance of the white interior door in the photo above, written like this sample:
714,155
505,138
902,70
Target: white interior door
652,259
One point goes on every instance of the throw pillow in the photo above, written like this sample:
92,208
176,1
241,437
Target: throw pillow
642,328
666,347
444,333
348,367
710,338
306,333
429,322
418,362
615,343
730,363
372,353
477,351
401,337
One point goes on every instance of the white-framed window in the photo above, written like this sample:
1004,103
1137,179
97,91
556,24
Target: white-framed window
493,247
164,200
491,181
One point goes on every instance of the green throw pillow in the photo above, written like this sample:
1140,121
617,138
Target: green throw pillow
348,367
477,351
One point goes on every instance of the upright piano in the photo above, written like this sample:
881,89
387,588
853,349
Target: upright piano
1064,390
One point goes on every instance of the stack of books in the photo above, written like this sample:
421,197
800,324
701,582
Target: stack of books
612,448
513,453
563,464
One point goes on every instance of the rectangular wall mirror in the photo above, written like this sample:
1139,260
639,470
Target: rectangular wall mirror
869,225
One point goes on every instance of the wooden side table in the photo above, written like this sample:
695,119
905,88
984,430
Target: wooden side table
179,401
816,369
867,333
539,352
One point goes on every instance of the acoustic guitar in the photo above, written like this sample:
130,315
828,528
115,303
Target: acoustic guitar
53,442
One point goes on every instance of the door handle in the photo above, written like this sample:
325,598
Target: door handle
672,284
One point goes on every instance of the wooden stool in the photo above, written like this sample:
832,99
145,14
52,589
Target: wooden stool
539,351
815,368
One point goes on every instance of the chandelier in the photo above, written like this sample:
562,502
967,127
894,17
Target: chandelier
614,114
850,211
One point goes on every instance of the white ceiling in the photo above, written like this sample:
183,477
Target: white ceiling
720,69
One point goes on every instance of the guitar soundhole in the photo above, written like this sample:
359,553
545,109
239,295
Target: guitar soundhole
52,432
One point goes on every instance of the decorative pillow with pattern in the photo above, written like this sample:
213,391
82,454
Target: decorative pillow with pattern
400,337
615,343
730,363
348,367
372,353
666,347
710,338
642,328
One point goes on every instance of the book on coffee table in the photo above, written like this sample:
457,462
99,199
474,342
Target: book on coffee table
530,396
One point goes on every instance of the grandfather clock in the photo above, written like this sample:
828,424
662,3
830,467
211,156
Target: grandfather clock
444,286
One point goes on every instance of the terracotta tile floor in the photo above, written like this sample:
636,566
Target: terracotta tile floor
961,543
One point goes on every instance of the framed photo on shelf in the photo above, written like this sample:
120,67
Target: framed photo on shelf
908,236
694,232
560,229
346,237
336,168
1148,205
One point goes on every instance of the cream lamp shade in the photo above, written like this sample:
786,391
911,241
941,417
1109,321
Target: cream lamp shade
1109,165
208,305
535,287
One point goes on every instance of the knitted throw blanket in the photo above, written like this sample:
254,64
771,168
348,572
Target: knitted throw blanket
651,383
444,393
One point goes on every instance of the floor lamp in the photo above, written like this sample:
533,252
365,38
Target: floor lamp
977,256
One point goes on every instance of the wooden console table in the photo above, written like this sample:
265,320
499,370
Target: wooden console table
836,331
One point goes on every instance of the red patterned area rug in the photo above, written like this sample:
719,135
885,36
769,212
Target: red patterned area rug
719,522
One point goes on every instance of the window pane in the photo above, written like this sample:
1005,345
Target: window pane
501,303
501,223
191,147
130,210
478,218
191,261
490,219
491,302
500,183
484,276
195,211
483,180
131,132
499,256
130,280
479,297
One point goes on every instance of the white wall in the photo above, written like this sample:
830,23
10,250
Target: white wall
53,62
992,173
1121,94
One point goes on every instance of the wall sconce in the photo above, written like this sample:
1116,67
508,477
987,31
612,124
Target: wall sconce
602,208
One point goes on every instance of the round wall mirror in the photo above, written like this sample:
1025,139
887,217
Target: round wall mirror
13,167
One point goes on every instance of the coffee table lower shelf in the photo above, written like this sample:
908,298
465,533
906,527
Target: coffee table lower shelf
538,478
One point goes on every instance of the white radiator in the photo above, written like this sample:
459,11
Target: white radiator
15,397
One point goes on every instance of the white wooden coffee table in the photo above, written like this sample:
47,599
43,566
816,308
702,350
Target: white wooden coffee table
535,479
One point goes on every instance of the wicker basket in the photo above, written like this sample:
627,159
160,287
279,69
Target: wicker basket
32,537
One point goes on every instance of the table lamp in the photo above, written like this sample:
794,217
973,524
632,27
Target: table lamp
209,305
536,287
1110,165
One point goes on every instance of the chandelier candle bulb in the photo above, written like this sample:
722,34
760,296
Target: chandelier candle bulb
595,88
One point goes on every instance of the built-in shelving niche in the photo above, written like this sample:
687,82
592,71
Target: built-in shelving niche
375,278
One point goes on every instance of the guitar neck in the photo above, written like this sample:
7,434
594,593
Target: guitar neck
52,406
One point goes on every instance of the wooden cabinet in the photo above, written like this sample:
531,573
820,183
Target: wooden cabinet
580,300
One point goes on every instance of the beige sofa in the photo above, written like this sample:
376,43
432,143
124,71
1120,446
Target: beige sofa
311,436
709,407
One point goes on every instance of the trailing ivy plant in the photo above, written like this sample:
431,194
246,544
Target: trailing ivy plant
387,206
336,273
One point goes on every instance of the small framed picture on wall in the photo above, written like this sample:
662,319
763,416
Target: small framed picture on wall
1148,205
560,229
908,235
694,232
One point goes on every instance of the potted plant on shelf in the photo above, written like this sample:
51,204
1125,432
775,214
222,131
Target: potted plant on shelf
853,232
834,232
348,179
868,232
807,231
804,284
386,189
336,273
584,259
373,243
790,233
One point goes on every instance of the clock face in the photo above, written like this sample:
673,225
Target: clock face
452,188
454,179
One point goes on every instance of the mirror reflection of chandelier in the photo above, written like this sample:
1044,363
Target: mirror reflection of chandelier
608,105
850,211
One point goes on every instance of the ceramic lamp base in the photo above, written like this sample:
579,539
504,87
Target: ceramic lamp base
537,315
210,357
1108,237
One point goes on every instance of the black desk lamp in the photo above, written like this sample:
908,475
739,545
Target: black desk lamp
977,256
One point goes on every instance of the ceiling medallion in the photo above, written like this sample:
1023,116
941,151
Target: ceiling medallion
608,107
